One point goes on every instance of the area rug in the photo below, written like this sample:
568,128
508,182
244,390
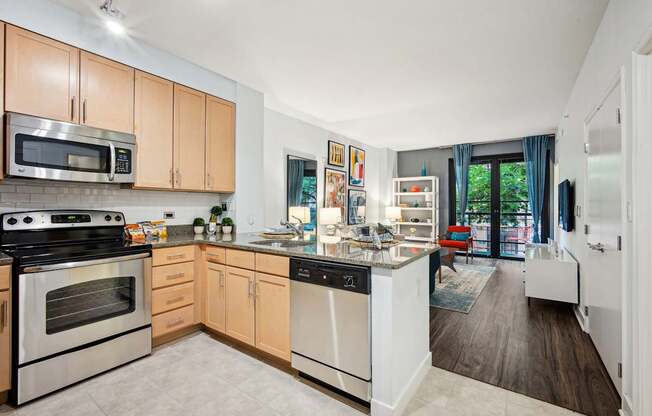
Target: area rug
459,290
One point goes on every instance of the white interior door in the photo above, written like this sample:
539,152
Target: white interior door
605,229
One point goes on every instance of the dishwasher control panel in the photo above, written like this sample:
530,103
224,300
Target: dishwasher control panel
334,275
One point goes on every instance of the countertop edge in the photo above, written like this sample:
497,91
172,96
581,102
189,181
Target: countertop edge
394,266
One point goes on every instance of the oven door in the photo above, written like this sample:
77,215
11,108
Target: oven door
63,306
58,155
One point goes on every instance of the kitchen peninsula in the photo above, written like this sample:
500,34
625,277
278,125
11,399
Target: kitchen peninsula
399,312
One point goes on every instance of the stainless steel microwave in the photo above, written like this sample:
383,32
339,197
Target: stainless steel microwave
48,149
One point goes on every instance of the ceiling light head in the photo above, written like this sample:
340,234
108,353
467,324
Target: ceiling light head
113,17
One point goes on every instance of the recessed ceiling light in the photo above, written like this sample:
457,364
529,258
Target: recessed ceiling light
114,15
115,27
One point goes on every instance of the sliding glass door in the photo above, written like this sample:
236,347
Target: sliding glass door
497,209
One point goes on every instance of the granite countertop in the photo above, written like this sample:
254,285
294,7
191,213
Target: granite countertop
323,249
5,259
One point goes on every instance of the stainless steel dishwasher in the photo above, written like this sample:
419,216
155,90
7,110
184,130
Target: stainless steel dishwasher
331,324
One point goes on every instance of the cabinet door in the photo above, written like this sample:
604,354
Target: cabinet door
240,304
220,145
189,138
41,76
273,315
5,341
153,126
107,93
215,297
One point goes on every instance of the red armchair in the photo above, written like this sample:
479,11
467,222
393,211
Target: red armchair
466,246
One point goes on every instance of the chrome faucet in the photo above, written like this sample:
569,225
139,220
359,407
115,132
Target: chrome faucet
297,228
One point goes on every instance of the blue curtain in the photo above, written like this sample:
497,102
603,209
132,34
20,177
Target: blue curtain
462,158
295,182
535,150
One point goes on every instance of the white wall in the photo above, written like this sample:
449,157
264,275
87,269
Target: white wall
286,135
623,27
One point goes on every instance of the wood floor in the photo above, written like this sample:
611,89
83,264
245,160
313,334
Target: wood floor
539,351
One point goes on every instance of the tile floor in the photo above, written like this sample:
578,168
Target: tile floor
203,376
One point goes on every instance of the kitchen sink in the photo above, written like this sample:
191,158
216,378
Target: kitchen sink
282,243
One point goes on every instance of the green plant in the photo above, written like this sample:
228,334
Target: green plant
226,221
198,222
216,211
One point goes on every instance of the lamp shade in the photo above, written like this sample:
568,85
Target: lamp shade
393,213
299,214
330,216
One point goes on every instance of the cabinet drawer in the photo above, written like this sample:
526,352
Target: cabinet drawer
172,297
269,263
172,274
172,321
171,255
240,258
5,277
216,254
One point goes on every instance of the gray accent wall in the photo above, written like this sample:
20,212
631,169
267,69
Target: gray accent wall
409,164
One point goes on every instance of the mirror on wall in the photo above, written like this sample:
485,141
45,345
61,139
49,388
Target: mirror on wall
302,192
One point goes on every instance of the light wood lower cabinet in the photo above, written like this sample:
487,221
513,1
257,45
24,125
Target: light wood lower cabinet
5,328
215,315
273,315
171,321
239,302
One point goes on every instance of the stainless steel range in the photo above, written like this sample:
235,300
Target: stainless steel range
81,297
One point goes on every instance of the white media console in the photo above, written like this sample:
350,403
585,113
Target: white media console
551,277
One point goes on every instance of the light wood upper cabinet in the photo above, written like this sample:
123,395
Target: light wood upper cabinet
2,92
273,315
5,340
189,138
107,93
240,304
215,297
220,145
153,127
41,76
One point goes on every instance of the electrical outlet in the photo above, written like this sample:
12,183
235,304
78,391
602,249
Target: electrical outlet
224,207
168,215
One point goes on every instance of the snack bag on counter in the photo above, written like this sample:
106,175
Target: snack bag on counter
154,229
135,232
161,228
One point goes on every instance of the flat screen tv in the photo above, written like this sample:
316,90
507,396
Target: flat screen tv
566,206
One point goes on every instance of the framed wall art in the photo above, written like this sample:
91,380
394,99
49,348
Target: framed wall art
357,206
335,190
356,166
336,154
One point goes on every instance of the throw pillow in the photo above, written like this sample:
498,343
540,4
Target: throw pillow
458,236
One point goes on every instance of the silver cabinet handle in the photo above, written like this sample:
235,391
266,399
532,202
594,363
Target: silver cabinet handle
175,322
175,300
597,247
171,176
73,264
251,288
174,276
72,109
3,321
221,279
84,111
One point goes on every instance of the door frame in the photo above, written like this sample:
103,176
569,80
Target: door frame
495,160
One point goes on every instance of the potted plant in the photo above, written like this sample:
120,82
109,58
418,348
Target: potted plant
198,225
213,226
227,225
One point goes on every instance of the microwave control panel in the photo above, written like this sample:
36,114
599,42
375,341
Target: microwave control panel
122,160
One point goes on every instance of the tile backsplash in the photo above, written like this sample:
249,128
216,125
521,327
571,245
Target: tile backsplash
136,205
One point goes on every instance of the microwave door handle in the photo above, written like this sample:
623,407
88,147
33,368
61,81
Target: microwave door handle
112,162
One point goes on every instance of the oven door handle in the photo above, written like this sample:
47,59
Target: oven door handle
84,263
112,162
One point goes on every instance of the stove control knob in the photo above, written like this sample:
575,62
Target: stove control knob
107,218
118,218
12,221
28,220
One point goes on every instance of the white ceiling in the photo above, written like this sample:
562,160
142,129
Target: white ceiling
403,74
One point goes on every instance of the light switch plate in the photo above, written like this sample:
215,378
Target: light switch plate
168,215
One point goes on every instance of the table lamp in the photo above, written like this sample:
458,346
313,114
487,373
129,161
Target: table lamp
330,217
393,214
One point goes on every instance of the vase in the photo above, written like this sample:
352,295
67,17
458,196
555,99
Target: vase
199,229
424,171
226,229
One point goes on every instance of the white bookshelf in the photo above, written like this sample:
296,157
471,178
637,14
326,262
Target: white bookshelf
422,205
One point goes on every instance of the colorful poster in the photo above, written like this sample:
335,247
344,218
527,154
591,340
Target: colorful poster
357,206
335,154
356,166
335,190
